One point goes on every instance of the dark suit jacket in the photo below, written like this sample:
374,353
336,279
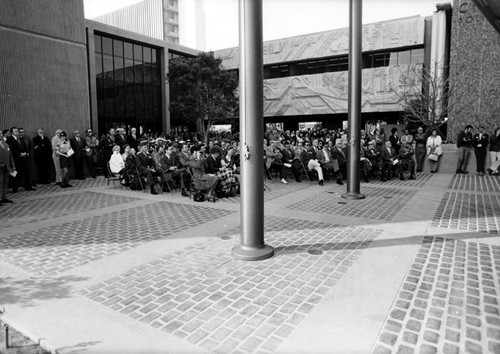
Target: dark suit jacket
339,155
42,147
78,147
143,163
15,148
212,165
385,156
133,142
6,159
483,141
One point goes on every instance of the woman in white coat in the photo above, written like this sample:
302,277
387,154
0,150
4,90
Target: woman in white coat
434,150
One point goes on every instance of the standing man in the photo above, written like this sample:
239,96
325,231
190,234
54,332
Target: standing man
78,146
464,142
55,157
20,155
91,151
494,152
26,148
479,144
420,149
42,154
133,138
107,149
7,166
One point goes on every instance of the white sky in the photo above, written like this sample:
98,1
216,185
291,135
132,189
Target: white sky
284,18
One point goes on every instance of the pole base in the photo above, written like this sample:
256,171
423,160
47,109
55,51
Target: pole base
353,195
252,253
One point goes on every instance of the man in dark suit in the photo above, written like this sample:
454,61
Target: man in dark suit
121,138
26,146
172,170
145,165
42,148
372,154
7,166
479,143
133,138
339,154
288,156
21,159
329,164
107,149
78,146
388,161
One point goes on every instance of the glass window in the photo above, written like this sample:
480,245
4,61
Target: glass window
118,48
404,58
108,67
137,52
98,43
138,71
147,54
119,75
417,56
393,60
154,53
128,50
107,45
129,70
98,65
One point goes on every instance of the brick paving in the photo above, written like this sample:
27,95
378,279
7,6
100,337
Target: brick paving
52,250
448,302
42,189
380,203
202,295
30,211
273,190
469,212
422,179
475,183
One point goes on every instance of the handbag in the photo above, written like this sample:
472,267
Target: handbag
433,157
199,197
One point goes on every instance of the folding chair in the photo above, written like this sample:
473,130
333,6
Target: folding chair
112,176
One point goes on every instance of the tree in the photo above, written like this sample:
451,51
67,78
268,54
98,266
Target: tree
202,92
427,98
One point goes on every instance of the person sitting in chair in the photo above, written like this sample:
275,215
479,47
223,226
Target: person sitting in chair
145,166
388,161
166,164
215,165
201,180
406,160
116,163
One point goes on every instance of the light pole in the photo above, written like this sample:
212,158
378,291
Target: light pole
252,246
354,99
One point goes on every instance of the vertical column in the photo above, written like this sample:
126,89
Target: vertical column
354,100
252,246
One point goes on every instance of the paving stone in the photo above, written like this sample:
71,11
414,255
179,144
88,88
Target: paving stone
471,347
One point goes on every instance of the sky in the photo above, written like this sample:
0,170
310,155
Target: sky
284,18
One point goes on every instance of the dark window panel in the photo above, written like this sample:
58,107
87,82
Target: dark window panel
119,74
147,54
118,48
137,52
108,67
129,70
107,45
155,55
98,43
138,71
98,65
128,50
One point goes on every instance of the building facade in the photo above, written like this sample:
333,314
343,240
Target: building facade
70,73
174,21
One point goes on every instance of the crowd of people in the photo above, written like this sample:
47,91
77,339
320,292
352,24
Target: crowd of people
183,161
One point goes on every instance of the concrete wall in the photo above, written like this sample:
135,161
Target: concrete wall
475,63
43,66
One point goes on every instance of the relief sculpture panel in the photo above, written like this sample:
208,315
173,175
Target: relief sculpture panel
327,93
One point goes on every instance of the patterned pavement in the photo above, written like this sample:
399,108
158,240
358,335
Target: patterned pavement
273,190
422,179
201,295
30,211
380,203
52,250
448,302
53,188
475,183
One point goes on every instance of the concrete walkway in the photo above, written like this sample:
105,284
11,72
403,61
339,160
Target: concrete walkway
413,268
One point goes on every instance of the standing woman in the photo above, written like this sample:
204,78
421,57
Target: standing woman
494,152
434,148
420,150
62,151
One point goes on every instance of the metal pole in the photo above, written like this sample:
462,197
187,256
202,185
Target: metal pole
252,246
354,101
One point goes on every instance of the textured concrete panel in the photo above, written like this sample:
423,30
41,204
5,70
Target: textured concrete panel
387,34
44,83
54,18
475,60
328,93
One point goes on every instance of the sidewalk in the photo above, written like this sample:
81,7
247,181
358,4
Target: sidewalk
413,268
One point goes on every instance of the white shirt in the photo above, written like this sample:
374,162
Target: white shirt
116,163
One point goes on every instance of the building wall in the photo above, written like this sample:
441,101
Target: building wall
397,33
475,65
43,66
328,93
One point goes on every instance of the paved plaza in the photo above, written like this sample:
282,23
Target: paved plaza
413,268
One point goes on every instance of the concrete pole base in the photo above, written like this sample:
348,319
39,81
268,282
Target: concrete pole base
353,195
248,253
